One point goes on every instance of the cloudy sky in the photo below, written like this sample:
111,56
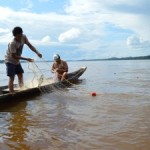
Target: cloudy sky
78,29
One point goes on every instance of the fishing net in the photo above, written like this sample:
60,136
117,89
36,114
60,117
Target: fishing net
47,84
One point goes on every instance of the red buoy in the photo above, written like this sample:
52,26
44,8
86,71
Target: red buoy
93,93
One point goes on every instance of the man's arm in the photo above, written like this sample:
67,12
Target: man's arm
14,55
34,49
53,69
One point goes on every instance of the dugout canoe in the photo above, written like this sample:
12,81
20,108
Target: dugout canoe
35,91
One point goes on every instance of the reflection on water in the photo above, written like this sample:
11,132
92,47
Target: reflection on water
116,119
17,130
15,123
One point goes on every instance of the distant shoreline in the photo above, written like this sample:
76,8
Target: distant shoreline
123,58
105,59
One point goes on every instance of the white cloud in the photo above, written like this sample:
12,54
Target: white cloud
96,6
3,30
125,14
136,42
69,35
107,6
98,20
46,39
5,38
79,7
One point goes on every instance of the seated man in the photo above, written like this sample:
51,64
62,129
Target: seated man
60,67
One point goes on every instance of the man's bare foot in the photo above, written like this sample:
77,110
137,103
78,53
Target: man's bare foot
21,88
12,93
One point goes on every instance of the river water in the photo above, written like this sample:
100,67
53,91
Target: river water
117,118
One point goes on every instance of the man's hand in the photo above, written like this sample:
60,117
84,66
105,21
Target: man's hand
56,69
39,54
30,60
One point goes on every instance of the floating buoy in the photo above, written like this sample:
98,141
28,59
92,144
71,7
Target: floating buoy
93,93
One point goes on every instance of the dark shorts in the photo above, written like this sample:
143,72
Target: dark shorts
12,69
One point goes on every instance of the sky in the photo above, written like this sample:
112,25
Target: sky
78,29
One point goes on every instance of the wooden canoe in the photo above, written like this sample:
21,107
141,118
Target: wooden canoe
35,91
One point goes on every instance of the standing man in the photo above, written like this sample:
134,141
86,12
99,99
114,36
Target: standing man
60,67
13,56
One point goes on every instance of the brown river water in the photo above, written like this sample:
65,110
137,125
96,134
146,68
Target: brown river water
117,118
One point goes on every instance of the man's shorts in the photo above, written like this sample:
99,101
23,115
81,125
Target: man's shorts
12,69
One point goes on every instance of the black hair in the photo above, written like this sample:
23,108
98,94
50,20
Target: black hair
17,30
